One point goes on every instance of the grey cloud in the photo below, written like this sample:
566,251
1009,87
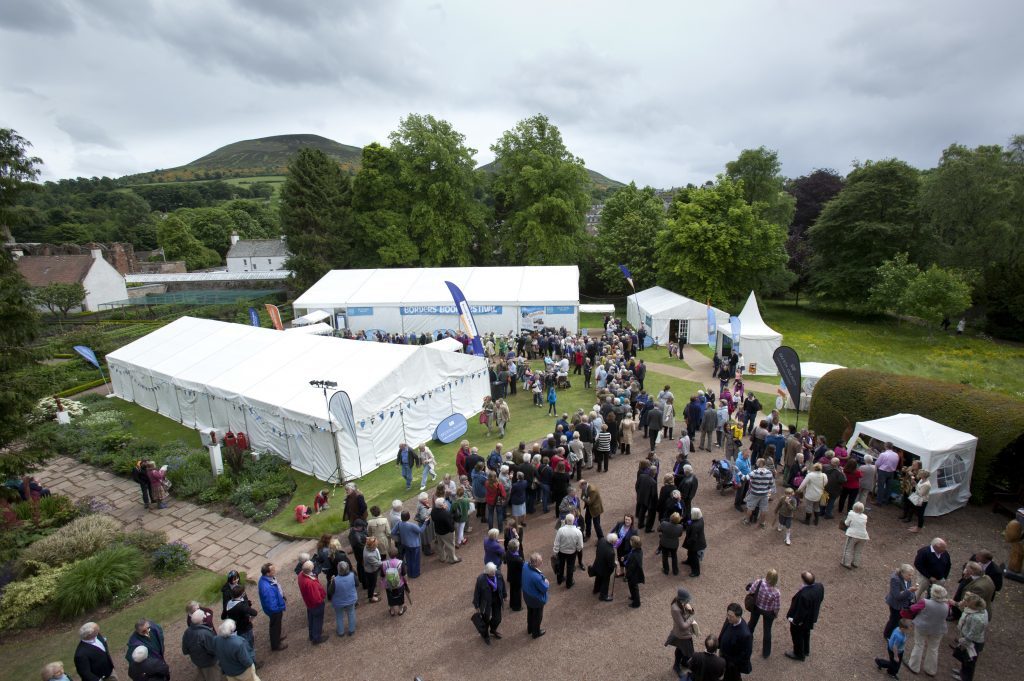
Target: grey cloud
83,132
36,16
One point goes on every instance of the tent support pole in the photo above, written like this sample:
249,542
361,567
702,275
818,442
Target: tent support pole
209,405
181,419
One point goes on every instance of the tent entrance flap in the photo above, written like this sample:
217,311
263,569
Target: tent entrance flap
679,331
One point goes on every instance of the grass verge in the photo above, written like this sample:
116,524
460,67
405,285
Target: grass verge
26,655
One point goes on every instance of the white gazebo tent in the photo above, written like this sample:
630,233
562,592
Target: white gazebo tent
670,317
757,340
209,374
810,374
946,453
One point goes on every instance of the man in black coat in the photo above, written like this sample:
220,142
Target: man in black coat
646,497
688,489
604,565
735,643
655,420
932,563
92,657
198,643
488,598
803,614
444,529
695,543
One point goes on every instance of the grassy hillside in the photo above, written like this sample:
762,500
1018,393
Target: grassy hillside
597,180
248,158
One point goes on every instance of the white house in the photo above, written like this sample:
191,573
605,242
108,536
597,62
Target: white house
103,283
257,255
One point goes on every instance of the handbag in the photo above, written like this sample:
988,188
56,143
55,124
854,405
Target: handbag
657,440
750,600
478,622
824,498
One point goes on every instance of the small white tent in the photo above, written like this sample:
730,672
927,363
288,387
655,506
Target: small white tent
948,454
670,317
757,340
210,374
810,374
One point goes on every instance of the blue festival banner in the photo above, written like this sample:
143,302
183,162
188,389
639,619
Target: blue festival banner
735,324
254,317
712,327
360,311
466,318
451,429
628,275
429,310
87,353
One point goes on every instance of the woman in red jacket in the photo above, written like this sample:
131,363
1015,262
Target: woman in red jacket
495,498
851,487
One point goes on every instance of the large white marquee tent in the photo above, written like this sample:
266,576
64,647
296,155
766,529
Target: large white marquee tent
210,374
757,340
947,453
416,300
670,317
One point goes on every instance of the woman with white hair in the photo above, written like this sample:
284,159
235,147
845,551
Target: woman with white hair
488,599
856,536
55,672
901,596
695,542
929,627
429,464
233,654
146,668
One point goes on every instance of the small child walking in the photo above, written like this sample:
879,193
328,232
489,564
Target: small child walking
895,647
552,400
785,509
537,402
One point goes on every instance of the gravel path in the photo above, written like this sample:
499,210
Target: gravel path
591,640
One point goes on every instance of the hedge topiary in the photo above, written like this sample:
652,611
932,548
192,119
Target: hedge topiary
846,396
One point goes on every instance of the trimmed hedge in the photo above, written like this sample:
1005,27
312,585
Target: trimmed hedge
846,396
81,388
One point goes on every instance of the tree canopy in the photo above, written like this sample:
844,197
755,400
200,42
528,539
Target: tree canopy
717,247
627,235
59,298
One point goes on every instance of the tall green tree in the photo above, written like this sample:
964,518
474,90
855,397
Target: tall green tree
541,196
890,283
760,171
439,188
718,247
381,212
179,243
316,217
627,235
936,293
18,171
19,325
874,217
811,192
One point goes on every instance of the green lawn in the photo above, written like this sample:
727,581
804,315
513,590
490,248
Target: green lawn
380,487
900,348
24,658
150,426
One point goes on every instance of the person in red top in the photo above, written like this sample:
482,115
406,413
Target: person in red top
314,595
460,458
851,488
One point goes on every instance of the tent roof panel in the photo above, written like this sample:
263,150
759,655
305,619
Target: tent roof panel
751,324
910,430
660,302
333,289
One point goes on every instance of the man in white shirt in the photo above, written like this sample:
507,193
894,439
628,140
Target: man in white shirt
568,542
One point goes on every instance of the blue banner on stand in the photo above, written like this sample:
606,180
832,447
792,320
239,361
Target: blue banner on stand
254,317
466,317
87,353
712,327
735,323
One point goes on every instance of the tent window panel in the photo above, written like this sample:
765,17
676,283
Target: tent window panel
952,473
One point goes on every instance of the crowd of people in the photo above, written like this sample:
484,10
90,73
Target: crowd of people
770,468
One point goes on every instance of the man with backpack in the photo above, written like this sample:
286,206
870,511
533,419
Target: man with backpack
751,405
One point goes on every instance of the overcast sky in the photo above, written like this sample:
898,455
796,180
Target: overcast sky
663,93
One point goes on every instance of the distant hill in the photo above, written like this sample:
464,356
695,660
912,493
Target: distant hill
599,181
249,158
271,156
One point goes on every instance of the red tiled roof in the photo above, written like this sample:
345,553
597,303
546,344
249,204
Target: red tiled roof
40,270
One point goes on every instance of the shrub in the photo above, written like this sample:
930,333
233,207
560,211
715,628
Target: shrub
52,511
146,541
26,602
79,539
171,559
96,580
46,410
845,396
133,594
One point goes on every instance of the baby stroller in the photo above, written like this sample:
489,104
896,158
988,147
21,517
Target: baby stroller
721,471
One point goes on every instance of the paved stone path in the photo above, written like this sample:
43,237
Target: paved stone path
217,543
699,371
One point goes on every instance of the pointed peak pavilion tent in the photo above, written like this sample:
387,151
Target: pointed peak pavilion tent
757,340
211,374
946,453
670,317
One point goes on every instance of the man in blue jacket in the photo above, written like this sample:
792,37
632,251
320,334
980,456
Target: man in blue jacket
535,593
272,601
404,460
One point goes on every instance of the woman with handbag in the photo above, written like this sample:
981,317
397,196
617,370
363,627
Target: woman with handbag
763,601
919,499
970,635
684,630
